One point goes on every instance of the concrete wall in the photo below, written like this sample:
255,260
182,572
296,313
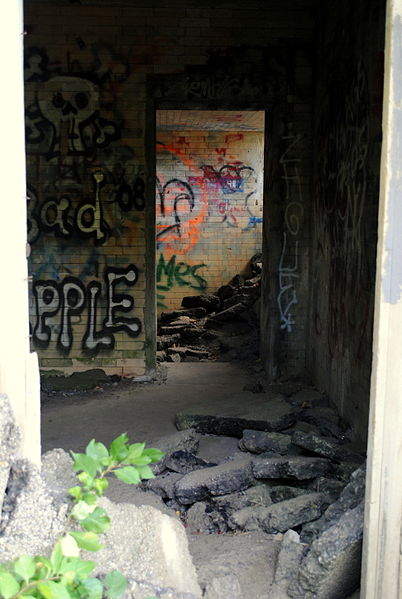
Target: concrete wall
95,74
209,209
347,143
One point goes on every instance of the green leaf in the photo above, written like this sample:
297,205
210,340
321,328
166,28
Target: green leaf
53,590
43,565
96,450
115,584
92,588
100,484
154,454
8,585
90,497
134,451
142,460
85,463
79,567
118,447
75,492
82,510
25,567
128,474
87,540
69,546
56,557
145,472
98,521
86,480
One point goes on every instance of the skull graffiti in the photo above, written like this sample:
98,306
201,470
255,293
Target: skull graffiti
67,103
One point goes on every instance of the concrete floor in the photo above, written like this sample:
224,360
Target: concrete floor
145,411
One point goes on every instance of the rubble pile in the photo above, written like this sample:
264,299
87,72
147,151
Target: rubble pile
287,470
208,326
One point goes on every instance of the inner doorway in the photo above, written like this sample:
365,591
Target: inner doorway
209,199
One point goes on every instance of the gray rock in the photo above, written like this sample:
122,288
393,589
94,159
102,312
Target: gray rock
192,312
184,462
218,448
186,440
284,492
282,516
260,441
163,485
150,549
331,569
31,519
165,341
330,486
350,497
229,313
57,472
294,467
208,301
218,480
258,496
344,470
174,357
201,517
266,413
288,563
324,446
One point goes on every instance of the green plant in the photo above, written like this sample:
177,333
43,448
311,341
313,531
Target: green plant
65,575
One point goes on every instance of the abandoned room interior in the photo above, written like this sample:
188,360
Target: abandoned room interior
200,170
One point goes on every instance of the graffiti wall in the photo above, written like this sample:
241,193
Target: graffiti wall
348,140
209,200
85,214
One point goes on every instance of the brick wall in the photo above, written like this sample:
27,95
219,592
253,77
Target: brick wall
88,70
209,209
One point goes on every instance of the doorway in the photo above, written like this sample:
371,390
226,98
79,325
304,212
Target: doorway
209,199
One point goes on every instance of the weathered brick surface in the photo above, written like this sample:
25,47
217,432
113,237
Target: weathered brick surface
86,72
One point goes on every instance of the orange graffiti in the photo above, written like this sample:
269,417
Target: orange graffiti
180,207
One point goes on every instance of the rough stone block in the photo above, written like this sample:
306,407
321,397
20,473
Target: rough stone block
260,441
183,462
331,569
288,563
284,492
293,467
259,495
208,301
150,549
201,517
324,446
163,485
219,480
165,341
280,517
229,313
266,414
185,440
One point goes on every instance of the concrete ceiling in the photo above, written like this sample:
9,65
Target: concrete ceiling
210,120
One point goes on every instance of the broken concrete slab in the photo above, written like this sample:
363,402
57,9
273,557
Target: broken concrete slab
258,495
218,448
185,440
165,341
324,446
191,312
150,549
201,517
57,473
218,480
229,313
283,492
287,565
280,517
32,519
260,441
163,485
326,419
208,301
183,462
331,568
293,467
265,413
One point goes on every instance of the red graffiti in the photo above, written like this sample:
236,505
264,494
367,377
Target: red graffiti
232,137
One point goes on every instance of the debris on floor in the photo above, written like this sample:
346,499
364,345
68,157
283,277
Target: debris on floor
223,325
289,475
